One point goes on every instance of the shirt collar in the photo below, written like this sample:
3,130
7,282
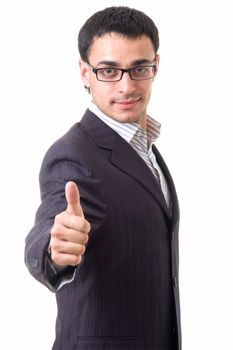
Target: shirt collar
128,130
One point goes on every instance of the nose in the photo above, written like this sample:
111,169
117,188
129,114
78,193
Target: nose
126,84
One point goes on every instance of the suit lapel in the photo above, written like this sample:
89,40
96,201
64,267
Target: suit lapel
128,160
166,172
124,156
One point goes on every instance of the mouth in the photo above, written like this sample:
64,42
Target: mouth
127,103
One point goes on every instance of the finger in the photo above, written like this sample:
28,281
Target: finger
62,247
64,259
70,235
73,199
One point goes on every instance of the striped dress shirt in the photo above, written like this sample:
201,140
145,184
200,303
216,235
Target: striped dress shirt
141,140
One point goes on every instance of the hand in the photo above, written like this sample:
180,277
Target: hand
69,233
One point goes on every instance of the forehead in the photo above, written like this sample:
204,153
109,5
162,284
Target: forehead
118,48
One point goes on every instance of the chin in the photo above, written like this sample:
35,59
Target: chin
127,119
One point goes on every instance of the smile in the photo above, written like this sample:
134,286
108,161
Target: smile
128,102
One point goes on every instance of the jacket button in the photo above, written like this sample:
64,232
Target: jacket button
175,282
34,263
173,235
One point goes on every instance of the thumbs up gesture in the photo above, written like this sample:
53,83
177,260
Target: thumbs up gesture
69,233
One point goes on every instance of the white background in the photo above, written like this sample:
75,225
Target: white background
42,96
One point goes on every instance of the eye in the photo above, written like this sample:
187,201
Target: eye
140,70
108,72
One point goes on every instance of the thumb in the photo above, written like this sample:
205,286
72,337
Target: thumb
73,199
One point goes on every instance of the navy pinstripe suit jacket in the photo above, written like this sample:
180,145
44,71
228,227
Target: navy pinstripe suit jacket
125,294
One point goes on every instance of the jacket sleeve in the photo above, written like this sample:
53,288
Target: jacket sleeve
65,161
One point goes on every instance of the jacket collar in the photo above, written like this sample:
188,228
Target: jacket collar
126,158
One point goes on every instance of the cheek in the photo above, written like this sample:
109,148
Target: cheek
102,91
144,87
148,91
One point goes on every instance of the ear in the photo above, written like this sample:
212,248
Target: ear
84,73
157,59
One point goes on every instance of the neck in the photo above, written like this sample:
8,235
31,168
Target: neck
143,122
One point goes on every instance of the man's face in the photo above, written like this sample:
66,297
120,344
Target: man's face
125,100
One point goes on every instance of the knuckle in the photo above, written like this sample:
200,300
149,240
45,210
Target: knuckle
85,238
82,238
56,258
58,218
86,226
78,259
75,260
82,249
54,245
55,230
82,225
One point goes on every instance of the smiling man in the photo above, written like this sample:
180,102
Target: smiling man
126,96
105,237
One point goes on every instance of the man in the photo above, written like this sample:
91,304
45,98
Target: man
106,233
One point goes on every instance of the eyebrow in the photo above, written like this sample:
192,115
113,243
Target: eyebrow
115,64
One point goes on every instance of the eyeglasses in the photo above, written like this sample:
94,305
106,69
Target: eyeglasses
111,74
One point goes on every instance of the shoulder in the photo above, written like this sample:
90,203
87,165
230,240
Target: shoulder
66,156
76,139
69,145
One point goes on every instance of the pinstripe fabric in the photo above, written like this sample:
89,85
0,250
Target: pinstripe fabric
141,140
125,294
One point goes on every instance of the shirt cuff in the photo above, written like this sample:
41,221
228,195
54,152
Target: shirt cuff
57,276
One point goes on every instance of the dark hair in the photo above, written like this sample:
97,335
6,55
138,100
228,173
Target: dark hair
123,20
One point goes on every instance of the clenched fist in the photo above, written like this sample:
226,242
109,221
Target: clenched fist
69,233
